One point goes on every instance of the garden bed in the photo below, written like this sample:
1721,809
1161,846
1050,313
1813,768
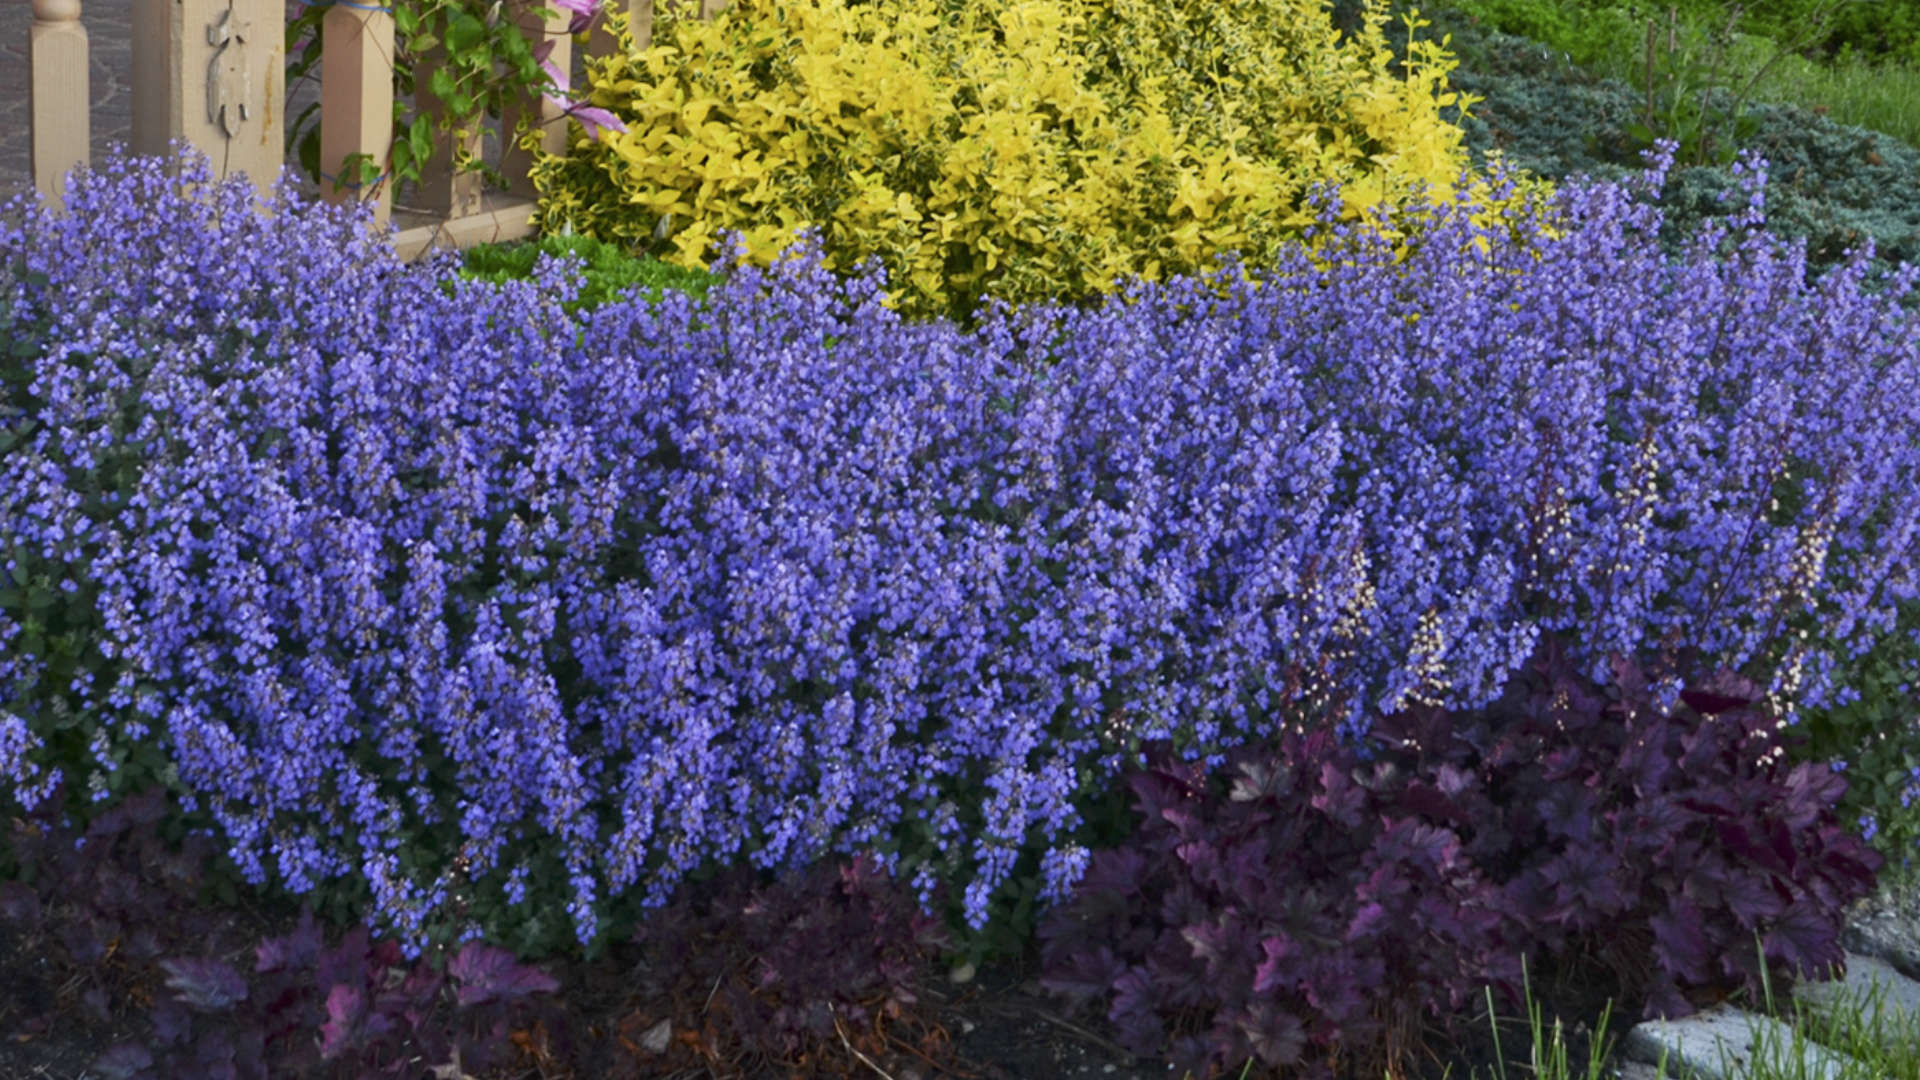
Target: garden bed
737,504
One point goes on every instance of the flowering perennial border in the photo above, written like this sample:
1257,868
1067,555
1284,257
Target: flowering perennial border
387,573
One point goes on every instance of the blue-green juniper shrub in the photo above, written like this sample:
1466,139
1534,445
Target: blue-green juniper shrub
402,594
1298,902
1834,184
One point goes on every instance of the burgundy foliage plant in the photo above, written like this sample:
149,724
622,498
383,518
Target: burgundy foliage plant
1305,905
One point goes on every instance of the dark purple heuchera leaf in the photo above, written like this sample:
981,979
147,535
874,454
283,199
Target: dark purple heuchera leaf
1811,792
1203,862
1413,842
85,937
1434,800
297,949
348,1022
1134,1013
1707,703
1527,827
205,985
782,955
116,890
125,1061
1650,826
19,904
1566,809
142,943
215,1056
1219,942
172,1023
418,990
1368,922
1805,938
1183,903
1586,891
863,876
1337,870
1279,959
1722,691
1739,839
484,973
1752,899
1276,1035
1165,795
1339,797
1256,779
346,963
1342,986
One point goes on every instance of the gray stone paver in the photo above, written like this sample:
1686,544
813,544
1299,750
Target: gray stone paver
1693,1045
1844,999
1717,1044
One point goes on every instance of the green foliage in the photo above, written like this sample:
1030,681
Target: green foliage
1687,79
480,63
1863,69
1582,32
1863,29
1587,29
1831,184
1694,71
1877,736
1017,149
609,272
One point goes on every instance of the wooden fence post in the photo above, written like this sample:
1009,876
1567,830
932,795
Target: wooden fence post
639,21
356,100
515,163
213,72
443,189
150,67
58,98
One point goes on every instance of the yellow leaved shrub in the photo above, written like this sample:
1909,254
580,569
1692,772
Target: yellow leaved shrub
1018,149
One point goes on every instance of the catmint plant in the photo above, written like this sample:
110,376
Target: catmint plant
448,592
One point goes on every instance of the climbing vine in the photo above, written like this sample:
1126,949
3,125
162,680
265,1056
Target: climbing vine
477,60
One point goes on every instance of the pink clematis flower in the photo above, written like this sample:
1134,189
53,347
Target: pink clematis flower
594,120
582,11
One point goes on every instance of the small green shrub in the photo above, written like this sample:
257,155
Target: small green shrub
610,271
1583,33
1884,30
1878,30
1688,78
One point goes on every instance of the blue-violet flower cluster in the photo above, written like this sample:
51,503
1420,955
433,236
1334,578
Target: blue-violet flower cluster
368,551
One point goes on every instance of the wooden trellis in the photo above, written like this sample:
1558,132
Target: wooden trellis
213,73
